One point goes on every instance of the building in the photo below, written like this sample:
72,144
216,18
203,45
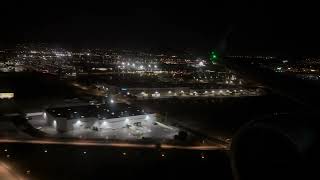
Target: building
6,94
96,117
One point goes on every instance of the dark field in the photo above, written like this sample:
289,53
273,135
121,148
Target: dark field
220,116
70,162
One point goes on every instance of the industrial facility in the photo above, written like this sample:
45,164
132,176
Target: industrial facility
97,117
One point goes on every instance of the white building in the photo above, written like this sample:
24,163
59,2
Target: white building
96,117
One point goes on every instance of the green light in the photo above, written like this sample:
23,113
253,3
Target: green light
213,56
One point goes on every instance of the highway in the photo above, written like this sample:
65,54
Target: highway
121,145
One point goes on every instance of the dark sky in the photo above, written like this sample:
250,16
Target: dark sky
256,28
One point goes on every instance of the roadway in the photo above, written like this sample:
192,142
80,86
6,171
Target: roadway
116,145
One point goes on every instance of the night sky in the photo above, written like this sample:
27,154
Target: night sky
256,28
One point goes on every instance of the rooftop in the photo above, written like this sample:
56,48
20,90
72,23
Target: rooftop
103,111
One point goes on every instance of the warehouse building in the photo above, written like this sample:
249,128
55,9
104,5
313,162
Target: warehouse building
96,117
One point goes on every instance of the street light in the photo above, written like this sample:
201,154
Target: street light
54,123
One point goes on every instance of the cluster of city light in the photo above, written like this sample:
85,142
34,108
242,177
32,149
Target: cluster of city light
138,66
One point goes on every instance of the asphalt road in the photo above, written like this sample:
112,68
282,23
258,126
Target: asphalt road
127,145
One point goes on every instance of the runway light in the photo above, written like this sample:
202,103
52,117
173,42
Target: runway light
169,92
45,151
112,101
124,153
84,152
162,155
5,150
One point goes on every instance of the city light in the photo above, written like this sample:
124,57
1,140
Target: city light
6,95
111,101
54,124
201,64
78,123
